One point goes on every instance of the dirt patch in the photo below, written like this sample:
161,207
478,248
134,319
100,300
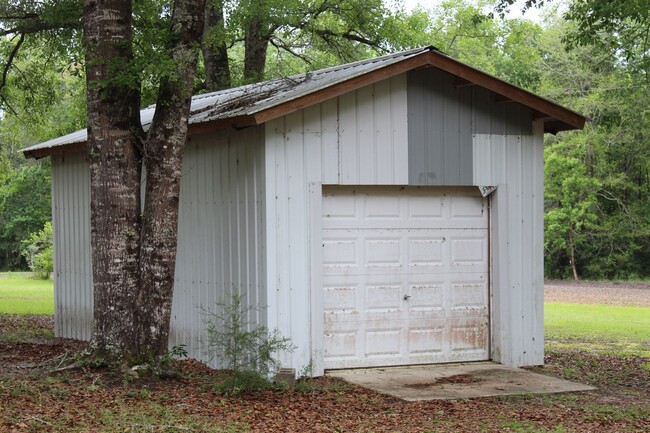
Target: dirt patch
597,292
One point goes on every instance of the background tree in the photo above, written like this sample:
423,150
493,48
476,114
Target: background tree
24,207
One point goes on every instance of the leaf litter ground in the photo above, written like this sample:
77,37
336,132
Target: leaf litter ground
98,400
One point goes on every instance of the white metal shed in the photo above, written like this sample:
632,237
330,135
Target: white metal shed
347,202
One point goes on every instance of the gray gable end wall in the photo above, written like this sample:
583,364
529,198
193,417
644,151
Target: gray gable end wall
442,119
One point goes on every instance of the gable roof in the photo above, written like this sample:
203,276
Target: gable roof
258,103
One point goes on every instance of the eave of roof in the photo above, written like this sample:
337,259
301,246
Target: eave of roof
258,103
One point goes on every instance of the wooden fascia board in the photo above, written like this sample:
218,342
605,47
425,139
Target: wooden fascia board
57,150
517,94
237,122
465,73
340,88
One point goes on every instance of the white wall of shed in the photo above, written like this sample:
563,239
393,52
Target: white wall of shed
516,165
221,238
73,295
221,233
358,138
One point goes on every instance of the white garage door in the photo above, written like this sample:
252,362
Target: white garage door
405,276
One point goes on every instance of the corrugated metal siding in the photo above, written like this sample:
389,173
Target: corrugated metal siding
73,296
220,242
516,165
442,118
221,238
372,135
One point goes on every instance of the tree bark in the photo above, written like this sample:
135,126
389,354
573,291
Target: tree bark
113,104
256,44
213,46
164,151
134,254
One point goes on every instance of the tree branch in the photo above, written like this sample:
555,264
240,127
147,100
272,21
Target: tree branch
10,61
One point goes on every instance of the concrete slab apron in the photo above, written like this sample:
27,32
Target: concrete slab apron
455,381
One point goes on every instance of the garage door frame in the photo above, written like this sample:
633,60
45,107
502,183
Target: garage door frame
318,299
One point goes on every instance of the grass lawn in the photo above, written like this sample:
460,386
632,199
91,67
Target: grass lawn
22,294
609,327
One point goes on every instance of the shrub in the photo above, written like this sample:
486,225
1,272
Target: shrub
246,349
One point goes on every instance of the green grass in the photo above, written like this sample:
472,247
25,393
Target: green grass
624,330
22,294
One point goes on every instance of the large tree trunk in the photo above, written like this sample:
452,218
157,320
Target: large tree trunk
213,46
113,125
256,44
134,255
164,150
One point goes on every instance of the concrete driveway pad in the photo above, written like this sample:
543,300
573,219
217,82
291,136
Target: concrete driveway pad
455,381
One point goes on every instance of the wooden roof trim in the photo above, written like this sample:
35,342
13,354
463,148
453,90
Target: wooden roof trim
340,88
500,87
465,74
56,150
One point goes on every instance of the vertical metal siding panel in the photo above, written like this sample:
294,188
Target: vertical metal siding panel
537,209
216,286
67,295
481,110
55,161
348,144
279,223
512,119
451,133
273,143
87,263
71,222
291,151
465,154
75,297
501,299
527,244
298,254
417,128
73,301
481,160
383,134
399,123
191,270
219,239
434,109
59,244
313,144
365,128
498,159
204,234
515,250
315,204
330,141
260,220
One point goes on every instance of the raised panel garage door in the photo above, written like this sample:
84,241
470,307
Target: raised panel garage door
405,276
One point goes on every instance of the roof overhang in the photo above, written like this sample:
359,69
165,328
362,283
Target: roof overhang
555,117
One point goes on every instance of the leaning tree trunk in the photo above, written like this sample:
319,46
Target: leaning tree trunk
164,150
134,255
113,122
